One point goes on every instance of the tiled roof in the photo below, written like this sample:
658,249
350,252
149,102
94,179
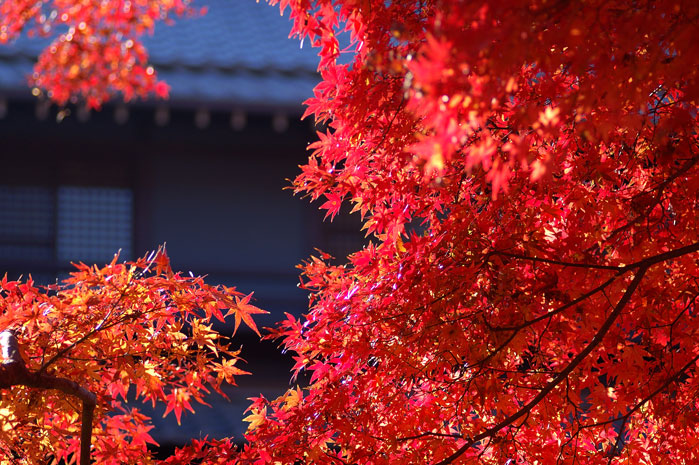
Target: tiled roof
238,54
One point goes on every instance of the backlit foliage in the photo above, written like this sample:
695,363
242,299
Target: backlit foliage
95,50
126,331
527,173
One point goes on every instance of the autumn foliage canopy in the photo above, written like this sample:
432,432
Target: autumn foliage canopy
527,175
102,337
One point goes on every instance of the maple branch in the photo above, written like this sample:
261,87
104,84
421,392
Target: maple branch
85,337
686,167
616,449
675,377
390,124
659,189
14,372
546,315
620,269
646,262
596,340
430,434
555,262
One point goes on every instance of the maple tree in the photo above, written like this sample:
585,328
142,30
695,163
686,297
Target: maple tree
527,172
102,338
96,49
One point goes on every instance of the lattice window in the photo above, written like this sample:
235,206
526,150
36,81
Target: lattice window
43,228
27,219
93,223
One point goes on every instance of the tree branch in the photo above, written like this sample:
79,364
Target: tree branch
14,372
550,314
646,262
642,267
556,262
620,269
490,432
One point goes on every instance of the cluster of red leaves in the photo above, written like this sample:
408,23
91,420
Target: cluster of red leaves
96,51
527,171
126,332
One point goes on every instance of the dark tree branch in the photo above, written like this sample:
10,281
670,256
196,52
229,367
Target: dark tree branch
619,269
550,314
556,262
646,262
490,432
641,266
659,191
14,372
672,379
